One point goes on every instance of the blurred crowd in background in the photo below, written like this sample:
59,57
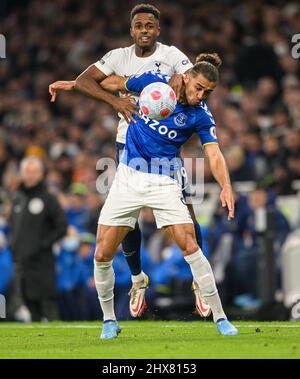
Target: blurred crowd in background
256,107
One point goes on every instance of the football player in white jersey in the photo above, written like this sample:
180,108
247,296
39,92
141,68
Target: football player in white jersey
146,54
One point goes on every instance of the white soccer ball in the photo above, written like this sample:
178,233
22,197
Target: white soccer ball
157,100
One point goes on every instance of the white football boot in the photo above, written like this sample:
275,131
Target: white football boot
202,307
137,303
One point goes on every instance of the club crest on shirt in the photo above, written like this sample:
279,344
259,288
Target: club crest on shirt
157,64
213,132
180,119
35,206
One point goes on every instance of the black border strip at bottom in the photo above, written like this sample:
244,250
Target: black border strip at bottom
141,367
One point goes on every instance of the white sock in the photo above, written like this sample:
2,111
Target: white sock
138,278
204,277
104,281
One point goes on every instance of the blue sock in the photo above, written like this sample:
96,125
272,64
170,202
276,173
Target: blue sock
198,234
132,250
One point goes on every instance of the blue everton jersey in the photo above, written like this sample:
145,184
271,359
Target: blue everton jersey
159,142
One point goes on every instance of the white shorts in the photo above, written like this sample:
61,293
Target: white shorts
132,190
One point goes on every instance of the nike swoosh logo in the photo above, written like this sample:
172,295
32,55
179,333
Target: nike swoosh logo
203,309
137,306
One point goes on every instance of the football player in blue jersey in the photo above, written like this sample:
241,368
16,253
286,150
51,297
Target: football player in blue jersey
139,183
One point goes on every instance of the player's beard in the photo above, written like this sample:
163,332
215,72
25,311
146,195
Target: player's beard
191,100
148,45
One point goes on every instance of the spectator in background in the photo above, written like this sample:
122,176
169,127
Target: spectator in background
292,152
276,175
94,203
254,155
64,164
37,222
70,277
272,154
240,169
260,198
6,265
171,282
234,245
267,93
224,239
77,212
256,59
172,268
54,182
4,158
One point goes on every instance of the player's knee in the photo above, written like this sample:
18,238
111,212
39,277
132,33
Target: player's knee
191,246
101,252
99,257
191,249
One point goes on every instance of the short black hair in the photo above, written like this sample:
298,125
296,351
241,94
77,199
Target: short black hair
145,8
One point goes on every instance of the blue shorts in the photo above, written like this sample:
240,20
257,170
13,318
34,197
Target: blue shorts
186,189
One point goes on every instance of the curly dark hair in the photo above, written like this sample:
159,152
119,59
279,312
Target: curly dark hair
145,8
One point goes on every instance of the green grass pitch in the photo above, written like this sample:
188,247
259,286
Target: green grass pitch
150,339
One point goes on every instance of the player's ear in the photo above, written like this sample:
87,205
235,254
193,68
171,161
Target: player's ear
186,78
131,33
158,30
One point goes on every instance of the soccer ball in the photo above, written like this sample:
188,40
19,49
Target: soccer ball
157,100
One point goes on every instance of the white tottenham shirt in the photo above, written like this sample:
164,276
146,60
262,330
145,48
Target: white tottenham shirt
167,60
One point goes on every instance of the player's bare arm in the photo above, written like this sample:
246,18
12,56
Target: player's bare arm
117,83
176,82
65,85
88,84
114,83
220,172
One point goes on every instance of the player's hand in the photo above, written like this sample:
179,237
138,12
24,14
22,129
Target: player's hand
227,200
127,107
60,85
176,82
